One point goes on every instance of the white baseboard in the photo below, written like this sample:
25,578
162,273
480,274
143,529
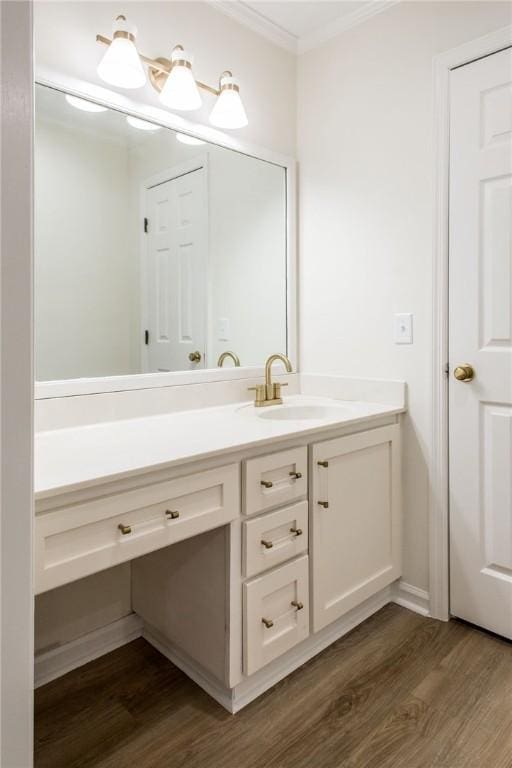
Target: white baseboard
413,598
250,688
58,661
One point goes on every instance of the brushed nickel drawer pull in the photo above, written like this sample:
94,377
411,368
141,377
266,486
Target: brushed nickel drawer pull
296,531
296,475
125,529
267,483
268,623
324,504
298,605
323,463
172,514
267,544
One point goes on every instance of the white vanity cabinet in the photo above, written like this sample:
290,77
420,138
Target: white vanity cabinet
275,553
355,520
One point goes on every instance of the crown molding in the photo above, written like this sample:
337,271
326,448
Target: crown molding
258,23
335,28
237,10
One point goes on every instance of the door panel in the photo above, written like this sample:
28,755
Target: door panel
356,520
481,335
177,273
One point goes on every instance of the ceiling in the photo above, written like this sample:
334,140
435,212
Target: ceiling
299,25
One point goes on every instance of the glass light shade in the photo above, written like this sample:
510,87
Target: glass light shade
142,125
84,105
121,65
228,111
180,90
191,140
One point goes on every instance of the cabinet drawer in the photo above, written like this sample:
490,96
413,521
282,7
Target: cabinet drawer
274,538
275,479
84,538
276,613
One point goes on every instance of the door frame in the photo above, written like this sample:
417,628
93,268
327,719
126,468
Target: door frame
196,163
439,573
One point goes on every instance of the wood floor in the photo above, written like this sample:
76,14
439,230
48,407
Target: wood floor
400,691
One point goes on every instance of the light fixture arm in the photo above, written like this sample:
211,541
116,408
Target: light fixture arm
159,67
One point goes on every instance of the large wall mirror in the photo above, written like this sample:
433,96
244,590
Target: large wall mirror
155,252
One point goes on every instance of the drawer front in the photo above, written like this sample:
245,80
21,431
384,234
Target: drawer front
276,613
76,541
275,479
273,538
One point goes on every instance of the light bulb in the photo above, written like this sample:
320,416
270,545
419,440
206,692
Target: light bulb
180,90
191,140
228,111
121,65
84,105
142,125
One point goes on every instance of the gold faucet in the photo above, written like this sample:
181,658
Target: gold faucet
225,355
269,393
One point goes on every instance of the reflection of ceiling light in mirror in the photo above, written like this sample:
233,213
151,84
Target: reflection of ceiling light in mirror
228,111
121,65
185,139
180,90
142,125
85,106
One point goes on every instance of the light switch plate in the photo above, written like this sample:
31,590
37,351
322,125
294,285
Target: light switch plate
224,329
403,328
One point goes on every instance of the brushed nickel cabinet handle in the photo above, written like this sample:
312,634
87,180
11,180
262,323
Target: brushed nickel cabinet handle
323,463
296,531
267,483
267,544
268,623
125,529
296,475
324,504
172,514
298,605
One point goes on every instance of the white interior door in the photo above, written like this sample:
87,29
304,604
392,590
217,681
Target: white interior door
176,274
481,335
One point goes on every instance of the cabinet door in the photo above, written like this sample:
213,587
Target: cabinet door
356,520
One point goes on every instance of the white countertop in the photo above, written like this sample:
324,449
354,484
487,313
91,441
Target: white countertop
78,457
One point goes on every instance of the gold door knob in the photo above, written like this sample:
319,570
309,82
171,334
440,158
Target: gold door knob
464,372
195,357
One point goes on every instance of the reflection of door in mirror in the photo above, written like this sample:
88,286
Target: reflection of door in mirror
174,268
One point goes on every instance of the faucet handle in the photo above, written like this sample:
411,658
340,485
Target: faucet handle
261,393
277,389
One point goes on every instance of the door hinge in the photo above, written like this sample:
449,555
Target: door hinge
146,337
446,369
146,224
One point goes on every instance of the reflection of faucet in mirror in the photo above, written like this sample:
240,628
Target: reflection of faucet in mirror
270,393
225,355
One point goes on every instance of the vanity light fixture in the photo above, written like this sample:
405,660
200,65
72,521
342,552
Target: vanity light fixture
142,125
180,90
228,110
121,65
191,140
172,78
84,105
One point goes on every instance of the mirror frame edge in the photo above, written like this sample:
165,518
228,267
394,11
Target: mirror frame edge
122,103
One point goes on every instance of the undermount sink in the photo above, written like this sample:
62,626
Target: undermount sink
300,412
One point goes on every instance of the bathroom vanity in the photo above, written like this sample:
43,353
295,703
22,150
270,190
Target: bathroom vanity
238,537
256,536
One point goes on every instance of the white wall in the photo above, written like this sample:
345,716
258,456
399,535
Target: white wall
365,119
84,277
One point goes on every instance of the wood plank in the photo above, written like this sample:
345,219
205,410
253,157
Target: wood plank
400,690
